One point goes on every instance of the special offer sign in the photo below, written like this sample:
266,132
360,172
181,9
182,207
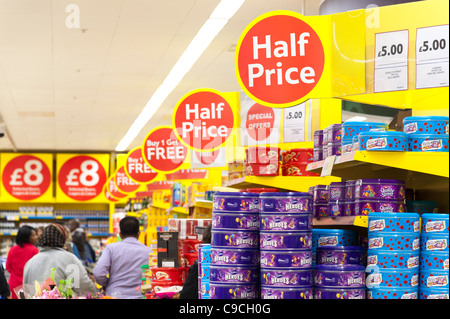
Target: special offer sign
137,169
81,176
203,120
162,150
279,59
26,177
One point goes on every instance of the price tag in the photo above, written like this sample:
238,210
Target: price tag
432,57
328,166
294,124
391,61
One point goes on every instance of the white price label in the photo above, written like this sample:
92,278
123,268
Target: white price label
432,57
328,166
294,124
391,61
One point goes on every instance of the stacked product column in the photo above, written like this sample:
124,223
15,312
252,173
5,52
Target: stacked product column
426,133
204,270
393,256
351,131
339,264
434,257
286,247
235,246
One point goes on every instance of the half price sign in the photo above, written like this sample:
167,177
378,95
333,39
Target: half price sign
27,177
162,150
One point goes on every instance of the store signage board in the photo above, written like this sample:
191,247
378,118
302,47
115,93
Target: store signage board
162,150
280,59
123,182
81,177
203,120
432,57
26,177
137,169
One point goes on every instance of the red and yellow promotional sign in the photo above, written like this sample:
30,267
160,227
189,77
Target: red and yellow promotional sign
26,177
113,190
162,151
108,196
203,119
137,169
123,182
81,177
280,59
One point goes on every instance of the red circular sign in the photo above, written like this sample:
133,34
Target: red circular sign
137,169
124,183
279,59
162,151
113,190
82,178
26,177
259,121
203,120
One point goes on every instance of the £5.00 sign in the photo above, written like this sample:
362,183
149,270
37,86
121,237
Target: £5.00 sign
203,120
26,176
81,177
162,151
279,59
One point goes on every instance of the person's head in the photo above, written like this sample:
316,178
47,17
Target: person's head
54,236
206,235
39,231
26,234
73,224
129,227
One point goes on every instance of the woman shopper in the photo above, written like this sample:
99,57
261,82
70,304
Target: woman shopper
18,256
53,255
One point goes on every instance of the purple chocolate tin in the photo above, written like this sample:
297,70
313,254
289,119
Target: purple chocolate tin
434,260
233,291
336,208
285,240
234,238
339,276
395,241
270,292
393,293
393,222
435,223
349,208
289,202
282,277
234,274
350,190
334,133
434,242
428,143
285,221
321,194
393,278
334,148
235,256
392,259
318,138
340,255
380,189
291,259
434,278
317,154
368,206
233,220
340,293
320,209
236,201
336,191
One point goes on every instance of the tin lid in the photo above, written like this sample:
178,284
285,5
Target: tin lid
384,133
333,231
285,194
235,194
339,248
429,136
435,216
318,132
393,215
337,184
350,267
350,182
425,118
354,123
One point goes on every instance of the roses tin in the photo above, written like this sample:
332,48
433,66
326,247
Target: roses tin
433,293
350,129
392,259
334,237
434,278
393,278
434,242
434,260
395,241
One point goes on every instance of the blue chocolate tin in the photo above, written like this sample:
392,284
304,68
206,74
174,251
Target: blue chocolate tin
434,242
421,206
394,241
435,223
350,129
433,293
383,141
392,259
391,277
434,260
428,143
434,278
425,124
393,293
334,237
393,223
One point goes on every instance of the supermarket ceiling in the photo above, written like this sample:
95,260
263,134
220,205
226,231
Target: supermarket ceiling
78,87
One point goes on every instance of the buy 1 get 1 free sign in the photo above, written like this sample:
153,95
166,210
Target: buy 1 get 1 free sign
203,120
279,59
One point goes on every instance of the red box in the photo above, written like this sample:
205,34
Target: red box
298,155
188,228
262,155
296,169
271,169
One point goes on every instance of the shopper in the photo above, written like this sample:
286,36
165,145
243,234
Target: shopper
122,262
18,256
53,255
39,231
4,287
79,238
190,287
69,245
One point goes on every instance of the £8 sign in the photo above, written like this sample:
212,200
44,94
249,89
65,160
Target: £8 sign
26,177
82,177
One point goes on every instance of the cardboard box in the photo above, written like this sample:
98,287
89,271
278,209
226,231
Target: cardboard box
167,249
188,228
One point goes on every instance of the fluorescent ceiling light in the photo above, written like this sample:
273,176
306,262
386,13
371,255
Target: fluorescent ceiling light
217,20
